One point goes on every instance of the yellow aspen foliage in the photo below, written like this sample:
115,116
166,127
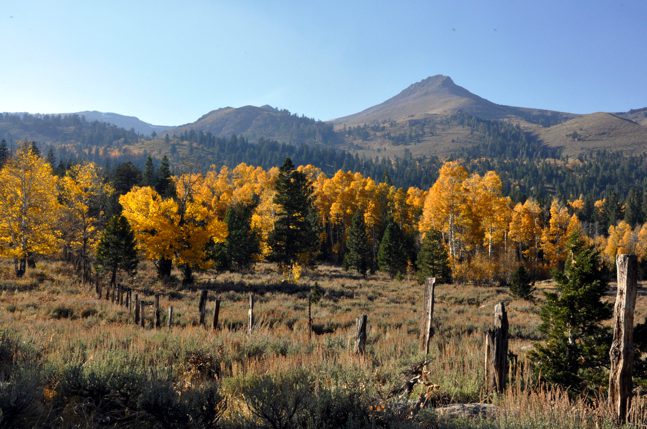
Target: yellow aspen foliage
28,208
641,243
494,209
577,204
525,228
153,220
83,196
442,206
621,239
554,237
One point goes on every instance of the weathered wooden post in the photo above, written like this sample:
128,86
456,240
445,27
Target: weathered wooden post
169,322
157,321
496,350
360,342
142,313
621,353
309,318
250,314
137,308
202,306
429,313
97,286
216,312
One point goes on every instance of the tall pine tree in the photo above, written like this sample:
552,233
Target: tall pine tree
433,260
242,244
116,250
164,185
295,236
358,250
392,253
575,351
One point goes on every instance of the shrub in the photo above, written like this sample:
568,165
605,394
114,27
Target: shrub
62,312
521,285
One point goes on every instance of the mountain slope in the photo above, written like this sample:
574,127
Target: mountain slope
439,95
125,122
264,122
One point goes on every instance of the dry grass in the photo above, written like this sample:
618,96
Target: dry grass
67,327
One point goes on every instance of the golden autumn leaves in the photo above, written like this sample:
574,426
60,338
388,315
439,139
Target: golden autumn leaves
484,232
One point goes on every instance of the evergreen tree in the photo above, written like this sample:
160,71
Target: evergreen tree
242,241
116,250
295,236
149,173
164,185
51,158
358,250
521,285
633,208
574,353
126,176
4,153
392,253
433,260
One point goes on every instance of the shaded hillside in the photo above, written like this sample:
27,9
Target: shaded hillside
597,131
71,130
255,123
125,122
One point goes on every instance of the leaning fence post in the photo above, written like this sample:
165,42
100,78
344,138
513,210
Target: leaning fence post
496,350
216,312
158,312
250,314
202,306
621,352
360,343
429,306
169,322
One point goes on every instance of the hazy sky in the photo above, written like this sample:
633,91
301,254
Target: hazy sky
169,62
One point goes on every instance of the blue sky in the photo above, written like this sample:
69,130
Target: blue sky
169,62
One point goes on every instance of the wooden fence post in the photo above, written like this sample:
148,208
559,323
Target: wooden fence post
216,312
142,313
169,322
158,312
137,308
429,307
202,306
97,286
360,343
621,352
496,350
250,314
309,318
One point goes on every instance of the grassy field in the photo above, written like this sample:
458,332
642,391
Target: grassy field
70,360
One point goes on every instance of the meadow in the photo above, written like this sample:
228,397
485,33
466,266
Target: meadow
68,359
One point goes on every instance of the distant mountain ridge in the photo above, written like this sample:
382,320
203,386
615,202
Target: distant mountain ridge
265,122
430,117
125,122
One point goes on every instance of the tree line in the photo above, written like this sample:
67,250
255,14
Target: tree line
463,227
